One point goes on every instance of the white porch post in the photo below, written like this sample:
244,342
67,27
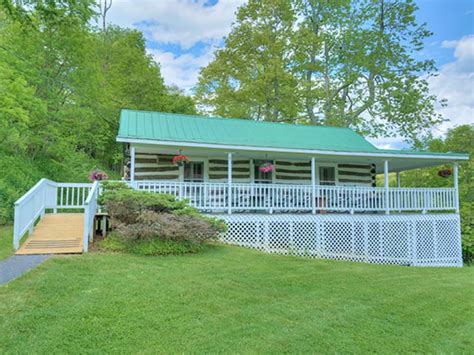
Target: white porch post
456,187
229,183
398,192
387,195
132,165
313,185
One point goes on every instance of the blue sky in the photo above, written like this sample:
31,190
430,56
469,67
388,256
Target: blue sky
448,20
183,34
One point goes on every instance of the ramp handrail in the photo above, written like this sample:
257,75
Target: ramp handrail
46,194
90,209
31,206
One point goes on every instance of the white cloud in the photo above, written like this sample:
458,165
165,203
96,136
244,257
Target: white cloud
183,22
181,70
455,83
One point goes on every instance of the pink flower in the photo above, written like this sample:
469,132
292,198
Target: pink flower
98,175
179,159
266,168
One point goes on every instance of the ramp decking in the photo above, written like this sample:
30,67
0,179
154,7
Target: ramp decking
60,233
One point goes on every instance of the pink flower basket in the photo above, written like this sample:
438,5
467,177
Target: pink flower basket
180,159
267,168
98,175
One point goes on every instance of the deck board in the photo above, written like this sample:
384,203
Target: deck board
60,233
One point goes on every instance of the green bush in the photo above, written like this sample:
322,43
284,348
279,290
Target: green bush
140,217
467,230
155,247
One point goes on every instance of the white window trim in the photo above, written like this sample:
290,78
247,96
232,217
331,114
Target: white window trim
252,170
205,162
331,165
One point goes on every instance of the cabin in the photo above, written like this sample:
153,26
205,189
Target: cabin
299,189
287,188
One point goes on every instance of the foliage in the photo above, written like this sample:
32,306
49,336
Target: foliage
21,172
6,246
459,139
62,85
344,63
154,247
139,216
234,300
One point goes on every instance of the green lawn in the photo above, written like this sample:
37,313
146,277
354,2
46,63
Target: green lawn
230,299
6,241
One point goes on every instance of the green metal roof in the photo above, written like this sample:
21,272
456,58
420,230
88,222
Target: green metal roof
159,126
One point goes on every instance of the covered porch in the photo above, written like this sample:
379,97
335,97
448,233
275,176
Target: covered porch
217,180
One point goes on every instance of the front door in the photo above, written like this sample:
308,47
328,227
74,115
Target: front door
194,173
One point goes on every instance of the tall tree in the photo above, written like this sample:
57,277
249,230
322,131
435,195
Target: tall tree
349,63
251,76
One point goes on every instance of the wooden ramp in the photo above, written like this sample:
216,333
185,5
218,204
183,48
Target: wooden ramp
60,233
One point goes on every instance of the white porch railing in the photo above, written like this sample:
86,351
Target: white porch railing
279,198
46,194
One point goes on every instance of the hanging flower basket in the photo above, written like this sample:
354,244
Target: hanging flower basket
180,159
445,173
98,175
266,168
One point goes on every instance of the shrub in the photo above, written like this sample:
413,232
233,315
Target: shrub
139,216
155,247
467,230
170,226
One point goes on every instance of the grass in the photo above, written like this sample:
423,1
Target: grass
6,246
229,299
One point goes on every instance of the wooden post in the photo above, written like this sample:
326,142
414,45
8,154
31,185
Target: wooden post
229,183
132,164
313,185
456,187
387,196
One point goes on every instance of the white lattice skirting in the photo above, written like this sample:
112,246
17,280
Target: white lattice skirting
418,240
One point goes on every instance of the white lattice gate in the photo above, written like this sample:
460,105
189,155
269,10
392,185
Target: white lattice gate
419,240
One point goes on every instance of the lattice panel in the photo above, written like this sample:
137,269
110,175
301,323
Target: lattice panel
419,240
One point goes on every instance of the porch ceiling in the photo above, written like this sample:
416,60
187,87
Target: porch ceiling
396,164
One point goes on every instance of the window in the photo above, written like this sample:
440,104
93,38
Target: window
327,175
261,177
194,171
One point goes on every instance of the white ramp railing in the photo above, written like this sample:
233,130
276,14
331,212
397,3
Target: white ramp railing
90,210
31,206
46,194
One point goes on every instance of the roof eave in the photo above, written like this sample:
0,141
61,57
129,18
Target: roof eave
434,156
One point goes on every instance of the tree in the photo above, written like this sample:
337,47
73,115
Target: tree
251,76
339,62
63,82
458,139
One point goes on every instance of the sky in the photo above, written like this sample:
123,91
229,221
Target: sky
182,36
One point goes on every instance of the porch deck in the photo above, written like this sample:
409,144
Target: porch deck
56,234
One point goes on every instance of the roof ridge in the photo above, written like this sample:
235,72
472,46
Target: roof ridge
240,119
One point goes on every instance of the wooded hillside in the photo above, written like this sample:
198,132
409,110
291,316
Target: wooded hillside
63,81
